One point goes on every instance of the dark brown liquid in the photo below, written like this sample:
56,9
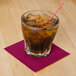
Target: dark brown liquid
38,41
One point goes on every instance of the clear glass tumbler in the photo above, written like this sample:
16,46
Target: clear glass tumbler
38,41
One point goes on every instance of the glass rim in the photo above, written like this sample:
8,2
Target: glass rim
35,28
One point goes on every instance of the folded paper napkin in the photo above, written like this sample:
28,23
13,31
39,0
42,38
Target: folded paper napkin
35,64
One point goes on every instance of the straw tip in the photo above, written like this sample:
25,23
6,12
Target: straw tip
63,3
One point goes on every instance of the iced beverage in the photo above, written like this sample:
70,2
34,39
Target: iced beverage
38,32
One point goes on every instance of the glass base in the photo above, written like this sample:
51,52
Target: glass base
39,54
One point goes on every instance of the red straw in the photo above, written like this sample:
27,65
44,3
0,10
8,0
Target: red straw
56,11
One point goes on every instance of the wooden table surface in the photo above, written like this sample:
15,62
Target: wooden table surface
10,33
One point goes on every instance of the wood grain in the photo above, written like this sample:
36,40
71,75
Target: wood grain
10,33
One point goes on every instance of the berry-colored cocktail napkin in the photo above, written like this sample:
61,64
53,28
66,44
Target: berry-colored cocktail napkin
18,51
